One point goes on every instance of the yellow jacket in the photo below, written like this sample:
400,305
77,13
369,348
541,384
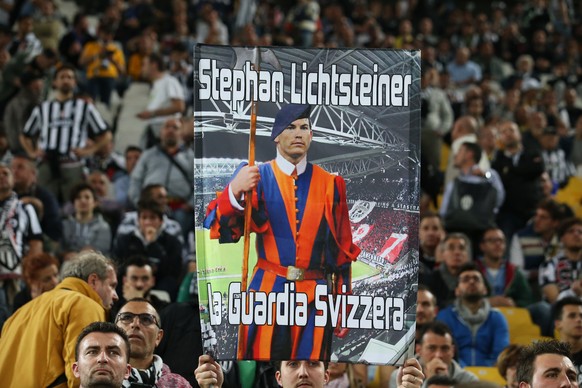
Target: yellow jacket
102,67
38,341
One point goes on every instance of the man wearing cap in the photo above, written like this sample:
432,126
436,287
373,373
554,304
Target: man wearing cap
300,217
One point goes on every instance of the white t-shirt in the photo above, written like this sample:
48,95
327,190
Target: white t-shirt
163,91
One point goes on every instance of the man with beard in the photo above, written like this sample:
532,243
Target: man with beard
568,323
141,322
480,332
63,126
171,165
102,356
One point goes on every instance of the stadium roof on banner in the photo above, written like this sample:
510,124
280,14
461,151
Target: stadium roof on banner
368,127
351,165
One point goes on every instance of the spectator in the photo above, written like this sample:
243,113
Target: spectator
507,364
537,359
440,381
567,314
156,193
17,66
431,233
62,162
20,106
5,154
576,150
102,356
85,229
555,162
531,245
172,166
455,250
437,115
48,326
520,172
162,249
508,285
435,351
108,161
104,64
558,273
487,138
483,187
121,184
144,335
40,273
426,309
72,43
137,281
166,98
462,70
302,21
209,28
25,43
30,192
479,331
48,26
21,233
464,130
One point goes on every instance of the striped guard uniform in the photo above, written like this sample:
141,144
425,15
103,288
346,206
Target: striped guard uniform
301,222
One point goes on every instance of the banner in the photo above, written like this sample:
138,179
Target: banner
321,146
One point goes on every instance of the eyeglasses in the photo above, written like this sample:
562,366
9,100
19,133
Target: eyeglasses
145,319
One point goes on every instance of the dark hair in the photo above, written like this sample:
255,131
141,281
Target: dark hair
552,207
489,229
63,67
158,60
470,266
31,264
146,192
436,327
102,327
558,307
431,214
474,148
567,224
130,148
440,380
424,287
150,205
80,187
508,358
136,260
527,357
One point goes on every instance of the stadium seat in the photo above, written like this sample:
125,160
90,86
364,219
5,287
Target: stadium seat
572,195
528,339
519,322
486,373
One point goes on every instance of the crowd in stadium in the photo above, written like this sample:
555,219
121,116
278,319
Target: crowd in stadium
501,163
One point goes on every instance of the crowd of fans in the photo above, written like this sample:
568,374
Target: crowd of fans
502,76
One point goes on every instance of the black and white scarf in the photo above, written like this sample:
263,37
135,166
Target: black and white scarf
149,376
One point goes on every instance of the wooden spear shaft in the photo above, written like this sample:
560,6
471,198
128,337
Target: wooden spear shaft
242,340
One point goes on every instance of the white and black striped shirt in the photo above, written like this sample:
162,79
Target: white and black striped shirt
64,125
19,224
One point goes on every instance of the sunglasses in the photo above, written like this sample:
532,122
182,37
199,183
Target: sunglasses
145,319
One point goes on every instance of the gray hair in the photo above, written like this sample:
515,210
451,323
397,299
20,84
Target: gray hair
86,263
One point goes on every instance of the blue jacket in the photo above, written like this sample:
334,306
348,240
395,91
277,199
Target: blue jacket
492,336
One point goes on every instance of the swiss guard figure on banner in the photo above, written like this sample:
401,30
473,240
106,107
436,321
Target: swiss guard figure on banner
304,239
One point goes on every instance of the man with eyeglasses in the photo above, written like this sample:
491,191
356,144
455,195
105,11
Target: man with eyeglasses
141,322
508,285
479,331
